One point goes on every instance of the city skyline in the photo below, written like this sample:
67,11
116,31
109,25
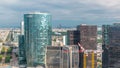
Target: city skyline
66,13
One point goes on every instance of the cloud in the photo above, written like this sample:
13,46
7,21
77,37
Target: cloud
66,11
104,3
5,2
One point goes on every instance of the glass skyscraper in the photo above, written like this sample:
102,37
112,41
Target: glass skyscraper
22,57
37,35
111,46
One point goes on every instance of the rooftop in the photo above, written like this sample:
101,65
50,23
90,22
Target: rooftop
37,13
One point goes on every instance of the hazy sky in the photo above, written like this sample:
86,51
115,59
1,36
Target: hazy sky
64,12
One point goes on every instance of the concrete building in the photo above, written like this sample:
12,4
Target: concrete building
62,57
59,37
70,57
37,28
73,37
59,40
111,46
86,35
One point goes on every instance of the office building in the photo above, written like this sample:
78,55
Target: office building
86,35
22,56
37,31
62,56
105,43
73,37
111,46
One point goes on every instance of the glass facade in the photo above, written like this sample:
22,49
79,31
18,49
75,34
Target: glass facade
105,45
111,46
37,35
22,57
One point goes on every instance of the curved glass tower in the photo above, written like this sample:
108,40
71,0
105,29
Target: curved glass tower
37,35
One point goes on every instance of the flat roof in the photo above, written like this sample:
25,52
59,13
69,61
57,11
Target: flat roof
37,13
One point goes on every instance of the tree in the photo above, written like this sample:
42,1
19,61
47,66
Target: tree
1,58
3,50
9,50
7,59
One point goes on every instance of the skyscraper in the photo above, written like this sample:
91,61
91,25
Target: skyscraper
37,35
22,57
22,53
86,35
73,37
105,29
111,46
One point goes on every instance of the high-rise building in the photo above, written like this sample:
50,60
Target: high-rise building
22,57
104,46
37,35
111,46
73,37
86,35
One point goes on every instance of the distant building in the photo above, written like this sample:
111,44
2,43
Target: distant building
37,30
117,24
15,35
111,46
86,35
22,28
59,37
59,40
4,35
62,29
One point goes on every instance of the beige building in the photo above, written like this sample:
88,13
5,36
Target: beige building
58,40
